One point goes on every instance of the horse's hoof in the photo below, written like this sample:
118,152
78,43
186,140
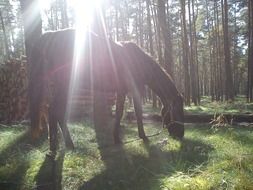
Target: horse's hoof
145,139
143,136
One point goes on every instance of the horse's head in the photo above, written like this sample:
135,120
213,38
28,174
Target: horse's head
173,118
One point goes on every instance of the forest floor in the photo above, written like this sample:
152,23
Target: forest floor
208,158
239,106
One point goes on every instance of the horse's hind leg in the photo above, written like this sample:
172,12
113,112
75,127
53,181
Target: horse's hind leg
62,99
118,115
52,131
138,113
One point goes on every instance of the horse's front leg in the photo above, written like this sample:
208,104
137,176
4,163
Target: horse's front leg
118,116
138,113
63,120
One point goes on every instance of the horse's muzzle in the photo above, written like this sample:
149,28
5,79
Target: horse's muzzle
176,129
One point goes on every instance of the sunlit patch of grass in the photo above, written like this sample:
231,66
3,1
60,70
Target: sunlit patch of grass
239,106
229,165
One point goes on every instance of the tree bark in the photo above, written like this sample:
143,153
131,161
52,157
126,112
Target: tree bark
185,46
32,24
151,48
191,59
229,87
168,58
5,37
140,23
250,52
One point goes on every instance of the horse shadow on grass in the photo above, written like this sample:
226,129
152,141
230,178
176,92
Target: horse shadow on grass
126,168
14,154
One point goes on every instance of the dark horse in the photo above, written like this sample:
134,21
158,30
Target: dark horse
102,66
142,70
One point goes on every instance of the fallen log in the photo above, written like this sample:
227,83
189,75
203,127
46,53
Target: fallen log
199,118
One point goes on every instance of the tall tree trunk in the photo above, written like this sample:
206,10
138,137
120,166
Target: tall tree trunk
32,24
195,48
140,23
159,47
150,33
250,52
191,59
117,20
168,58
210,51
229,86
218,53
5,36
185,46
235,56
64,15
151,48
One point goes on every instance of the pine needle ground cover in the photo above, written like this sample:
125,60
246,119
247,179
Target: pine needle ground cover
205,159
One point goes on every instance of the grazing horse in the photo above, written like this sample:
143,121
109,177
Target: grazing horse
141,69
101,65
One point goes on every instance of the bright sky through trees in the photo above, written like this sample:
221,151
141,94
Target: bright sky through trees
84,9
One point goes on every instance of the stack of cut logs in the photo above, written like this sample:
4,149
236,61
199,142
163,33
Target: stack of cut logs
13,94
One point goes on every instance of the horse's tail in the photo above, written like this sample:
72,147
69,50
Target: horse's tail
36,89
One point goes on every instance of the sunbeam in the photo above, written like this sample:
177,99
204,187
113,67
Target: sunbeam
85,12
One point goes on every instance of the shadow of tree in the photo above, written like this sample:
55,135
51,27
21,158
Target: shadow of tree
15,180
50,174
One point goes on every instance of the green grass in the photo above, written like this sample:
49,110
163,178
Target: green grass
205,159
239,106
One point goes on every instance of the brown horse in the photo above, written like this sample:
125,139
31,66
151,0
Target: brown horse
103,66
141,69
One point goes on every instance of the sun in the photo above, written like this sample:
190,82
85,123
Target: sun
84,11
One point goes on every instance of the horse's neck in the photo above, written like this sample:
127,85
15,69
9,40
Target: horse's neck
162,85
